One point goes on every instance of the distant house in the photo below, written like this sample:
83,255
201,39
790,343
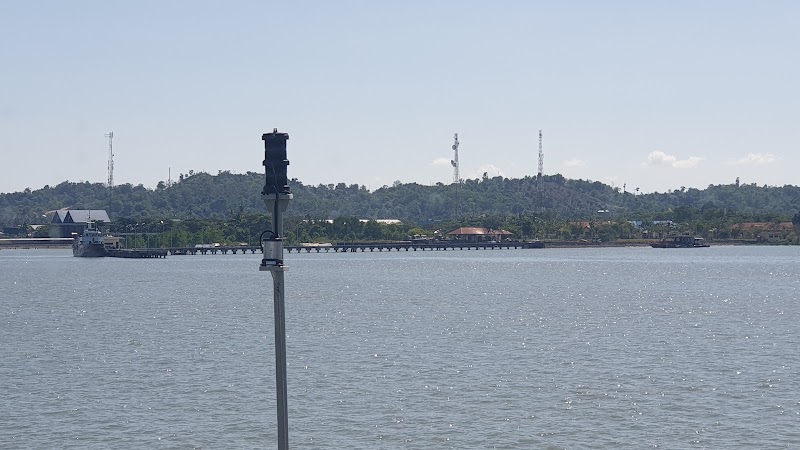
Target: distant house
770,236
763,231
71,221
745,226
588,225
383,221
475,234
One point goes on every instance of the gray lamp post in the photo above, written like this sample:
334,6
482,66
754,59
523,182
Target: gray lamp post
276,195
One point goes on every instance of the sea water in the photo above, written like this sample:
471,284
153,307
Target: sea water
513,349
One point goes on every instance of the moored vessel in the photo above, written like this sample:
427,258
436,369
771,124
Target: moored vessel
680,241
90,243
536,243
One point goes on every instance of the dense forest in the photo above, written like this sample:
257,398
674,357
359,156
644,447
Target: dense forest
227,206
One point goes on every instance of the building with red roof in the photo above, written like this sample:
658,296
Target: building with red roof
476,234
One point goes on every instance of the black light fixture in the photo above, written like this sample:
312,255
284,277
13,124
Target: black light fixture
275,163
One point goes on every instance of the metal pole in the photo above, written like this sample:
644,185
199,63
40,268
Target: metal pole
273,262
282,394
276,195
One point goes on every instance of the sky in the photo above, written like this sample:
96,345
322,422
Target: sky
647,95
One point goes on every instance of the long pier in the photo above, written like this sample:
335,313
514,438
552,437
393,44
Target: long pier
411,246
358,247
137,253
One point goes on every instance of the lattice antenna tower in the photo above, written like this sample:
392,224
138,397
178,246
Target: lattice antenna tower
110,136
454,161
541,156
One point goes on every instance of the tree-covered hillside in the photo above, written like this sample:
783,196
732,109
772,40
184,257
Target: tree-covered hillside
205,196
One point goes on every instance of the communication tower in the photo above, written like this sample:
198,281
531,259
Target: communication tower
454,161
541,156
110,136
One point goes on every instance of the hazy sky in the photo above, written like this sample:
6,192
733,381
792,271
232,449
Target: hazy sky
655,95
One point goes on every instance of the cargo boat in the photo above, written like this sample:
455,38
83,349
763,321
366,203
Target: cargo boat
680,241
90,243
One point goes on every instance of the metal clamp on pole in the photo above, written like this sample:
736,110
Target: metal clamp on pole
273,254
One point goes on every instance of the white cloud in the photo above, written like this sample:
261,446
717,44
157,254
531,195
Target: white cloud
658,158
693,161
574,162
490,170
441,162
661,159
755,159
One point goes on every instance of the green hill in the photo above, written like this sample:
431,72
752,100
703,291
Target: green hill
205,196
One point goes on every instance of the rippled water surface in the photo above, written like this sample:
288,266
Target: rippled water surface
545,348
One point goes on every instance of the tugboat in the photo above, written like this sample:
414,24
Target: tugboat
90,243
680,241
535,244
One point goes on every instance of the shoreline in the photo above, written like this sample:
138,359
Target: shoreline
34,247
547,244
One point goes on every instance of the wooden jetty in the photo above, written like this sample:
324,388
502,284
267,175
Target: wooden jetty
137,253
415,246
243,249
360,247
